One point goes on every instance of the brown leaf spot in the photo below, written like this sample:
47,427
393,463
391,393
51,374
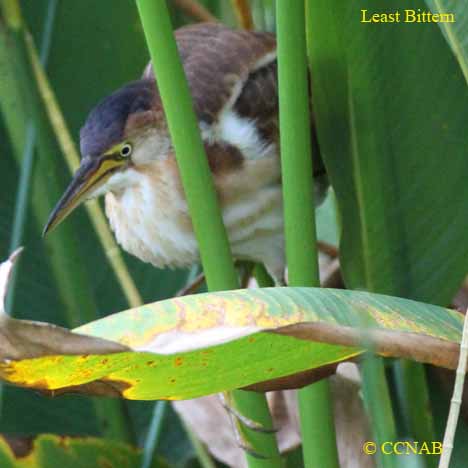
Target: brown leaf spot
20,446
151,364
104,361
178,361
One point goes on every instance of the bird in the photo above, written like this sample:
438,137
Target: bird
127,154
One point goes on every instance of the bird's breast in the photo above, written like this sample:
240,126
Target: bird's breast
151,220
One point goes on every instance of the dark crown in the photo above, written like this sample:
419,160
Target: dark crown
105,124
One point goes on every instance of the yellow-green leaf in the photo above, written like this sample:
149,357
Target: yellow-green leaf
197,345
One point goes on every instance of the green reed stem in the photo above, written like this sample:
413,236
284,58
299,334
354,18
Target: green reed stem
378,404
154,433
413,399
316,414
199,189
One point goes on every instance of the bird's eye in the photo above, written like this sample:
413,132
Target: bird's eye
126,150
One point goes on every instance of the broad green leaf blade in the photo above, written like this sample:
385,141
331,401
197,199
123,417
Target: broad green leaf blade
50,451
456,31
207,343
391,106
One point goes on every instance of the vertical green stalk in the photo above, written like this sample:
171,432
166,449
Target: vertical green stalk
411,387
199,189
316,414
378,405
154,432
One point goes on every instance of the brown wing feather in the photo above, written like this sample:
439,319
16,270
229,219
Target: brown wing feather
216,59
258,101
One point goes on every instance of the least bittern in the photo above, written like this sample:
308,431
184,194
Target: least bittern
127,154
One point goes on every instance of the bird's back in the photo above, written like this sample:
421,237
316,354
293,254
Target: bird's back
234,71
219,63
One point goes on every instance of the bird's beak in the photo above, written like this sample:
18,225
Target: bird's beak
92,174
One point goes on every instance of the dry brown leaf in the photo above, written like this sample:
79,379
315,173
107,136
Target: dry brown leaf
211,422
21,339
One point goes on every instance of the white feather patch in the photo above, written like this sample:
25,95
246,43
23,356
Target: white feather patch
243,134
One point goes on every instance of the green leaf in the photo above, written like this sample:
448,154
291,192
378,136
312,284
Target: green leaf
455,32
390,104
49,451
391,107
197,345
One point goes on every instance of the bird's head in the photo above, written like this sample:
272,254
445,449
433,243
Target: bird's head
122,132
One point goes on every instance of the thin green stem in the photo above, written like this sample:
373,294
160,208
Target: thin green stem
411,386
318,435
154,432
199,189
296,148
378,405
256,407
376,396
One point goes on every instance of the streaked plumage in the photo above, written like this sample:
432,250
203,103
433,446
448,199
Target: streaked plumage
232,78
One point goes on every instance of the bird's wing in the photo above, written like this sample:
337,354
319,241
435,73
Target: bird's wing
228,69
233,70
